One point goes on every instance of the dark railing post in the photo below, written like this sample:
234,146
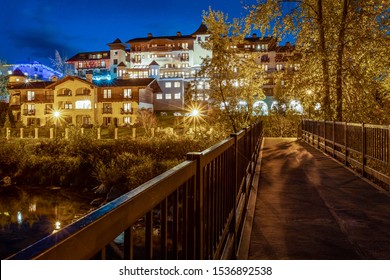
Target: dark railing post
199,215
346,143
325,136
233,225
128,244
363,149
333,140
318,134
388,154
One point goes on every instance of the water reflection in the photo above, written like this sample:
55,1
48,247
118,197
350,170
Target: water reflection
28,214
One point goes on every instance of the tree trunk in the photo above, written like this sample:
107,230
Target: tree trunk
339,60
324,63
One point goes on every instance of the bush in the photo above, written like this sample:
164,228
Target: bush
281,125
82,161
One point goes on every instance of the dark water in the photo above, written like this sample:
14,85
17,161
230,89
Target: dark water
28,214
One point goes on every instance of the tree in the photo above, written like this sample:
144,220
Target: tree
3,82
345,51
147,120
235,80
59,64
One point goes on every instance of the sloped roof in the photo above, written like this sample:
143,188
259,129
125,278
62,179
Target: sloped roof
69,78
17,72
148,39
141,82
117,41
154,63
85,56
202,29
30,85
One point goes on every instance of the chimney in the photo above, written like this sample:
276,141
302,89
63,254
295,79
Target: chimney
88,77
254,35
54,78
178,34
150,35
288,44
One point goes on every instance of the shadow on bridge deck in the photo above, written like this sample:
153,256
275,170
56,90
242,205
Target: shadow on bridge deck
310,207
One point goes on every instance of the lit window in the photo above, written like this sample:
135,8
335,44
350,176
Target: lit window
176,84
168,84
107,93
127,93
168,96
30,95
279,67
177,95
127,107
265,67
159,96
127,120
83,104
68,105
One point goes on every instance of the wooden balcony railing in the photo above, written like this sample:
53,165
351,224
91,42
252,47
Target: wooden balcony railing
107,110
364,148
126,111
29,112
193,211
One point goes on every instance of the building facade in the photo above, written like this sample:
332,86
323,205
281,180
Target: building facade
81,102
175,60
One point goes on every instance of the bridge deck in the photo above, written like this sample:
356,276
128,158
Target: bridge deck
310,207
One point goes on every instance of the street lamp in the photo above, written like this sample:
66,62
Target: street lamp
56,115
195,114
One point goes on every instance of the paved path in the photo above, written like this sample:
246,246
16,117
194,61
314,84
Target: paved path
310,207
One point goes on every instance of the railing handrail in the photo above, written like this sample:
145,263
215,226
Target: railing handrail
78,236
89,236
363,147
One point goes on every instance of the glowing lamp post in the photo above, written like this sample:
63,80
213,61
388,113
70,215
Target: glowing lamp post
195,114
56,116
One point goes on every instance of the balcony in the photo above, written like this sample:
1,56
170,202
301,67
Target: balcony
64,94
48,111
107,110
85,92
28,112
125,111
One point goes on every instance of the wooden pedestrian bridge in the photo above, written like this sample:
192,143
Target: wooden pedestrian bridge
324,195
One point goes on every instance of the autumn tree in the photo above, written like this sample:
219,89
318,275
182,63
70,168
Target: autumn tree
345,52
147,120
235,79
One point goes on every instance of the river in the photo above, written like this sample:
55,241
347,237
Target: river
27,214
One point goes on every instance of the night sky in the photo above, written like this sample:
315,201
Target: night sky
31,30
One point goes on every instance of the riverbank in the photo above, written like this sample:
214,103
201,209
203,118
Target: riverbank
29,213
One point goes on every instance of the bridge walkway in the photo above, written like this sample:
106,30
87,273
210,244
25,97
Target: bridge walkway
310,207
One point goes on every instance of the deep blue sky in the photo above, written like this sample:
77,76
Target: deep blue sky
34,29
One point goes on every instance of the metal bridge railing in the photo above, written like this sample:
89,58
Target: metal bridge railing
193,211
365,148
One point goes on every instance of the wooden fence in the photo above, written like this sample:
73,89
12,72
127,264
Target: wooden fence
363,147
195,210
